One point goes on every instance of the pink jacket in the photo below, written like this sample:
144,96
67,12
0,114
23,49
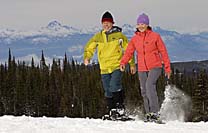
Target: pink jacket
151,51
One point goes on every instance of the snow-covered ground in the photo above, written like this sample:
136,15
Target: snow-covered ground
24,124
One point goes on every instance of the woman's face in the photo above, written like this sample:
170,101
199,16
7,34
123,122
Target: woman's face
142,27
107,25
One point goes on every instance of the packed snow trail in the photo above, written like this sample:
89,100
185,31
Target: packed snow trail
23,124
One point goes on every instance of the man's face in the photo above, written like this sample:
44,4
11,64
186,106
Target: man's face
142,27
107,25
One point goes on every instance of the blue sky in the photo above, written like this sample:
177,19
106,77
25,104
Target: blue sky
179,15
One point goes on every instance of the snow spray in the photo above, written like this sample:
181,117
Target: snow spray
176,105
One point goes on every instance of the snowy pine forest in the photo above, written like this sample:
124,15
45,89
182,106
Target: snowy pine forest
66,88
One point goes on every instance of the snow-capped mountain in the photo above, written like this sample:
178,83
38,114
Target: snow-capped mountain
128,30
55,39
55,28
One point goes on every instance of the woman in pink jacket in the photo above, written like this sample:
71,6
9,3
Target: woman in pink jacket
151,54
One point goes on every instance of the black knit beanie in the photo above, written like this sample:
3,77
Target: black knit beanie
107,17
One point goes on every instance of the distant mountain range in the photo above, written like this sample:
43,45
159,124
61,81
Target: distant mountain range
56,39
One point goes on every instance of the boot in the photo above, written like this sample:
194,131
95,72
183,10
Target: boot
110,104
118,99
116,108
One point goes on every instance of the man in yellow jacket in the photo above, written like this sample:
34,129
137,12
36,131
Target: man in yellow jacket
110,44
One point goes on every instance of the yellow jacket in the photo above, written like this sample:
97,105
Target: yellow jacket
110,48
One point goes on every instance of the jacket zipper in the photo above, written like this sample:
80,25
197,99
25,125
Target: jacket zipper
144,51
107,37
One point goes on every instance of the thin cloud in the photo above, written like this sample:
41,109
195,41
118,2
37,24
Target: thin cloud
183,15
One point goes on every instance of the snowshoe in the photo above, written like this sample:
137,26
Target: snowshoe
106,117
153,117
117,115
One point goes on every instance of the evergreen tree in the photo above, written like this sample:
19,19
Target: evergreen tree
2,90
199,97
55,84
44,82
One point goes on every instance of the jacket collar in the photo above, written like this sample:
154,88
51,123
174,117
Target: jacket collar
114,29
143,33
149,30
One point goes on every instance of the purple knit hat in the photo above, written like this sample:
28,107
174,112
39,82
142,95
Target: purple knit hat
143,19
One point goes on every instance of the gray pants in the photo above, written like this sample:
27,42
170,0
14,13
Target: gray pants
148,89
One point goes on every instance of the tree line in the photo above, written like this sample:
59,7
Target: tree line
67,88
